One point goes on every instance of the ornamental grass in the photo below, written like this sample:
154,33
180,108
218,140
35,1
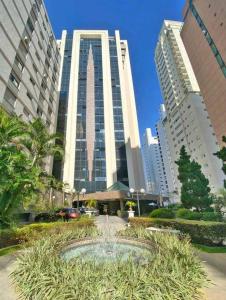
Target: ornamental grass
172,272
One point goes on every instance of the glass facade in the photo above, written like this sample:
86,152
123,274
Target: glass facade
121,160
63,101
81,176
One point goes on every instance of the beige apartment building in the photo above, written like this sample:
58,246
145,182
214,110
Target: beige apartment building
203,35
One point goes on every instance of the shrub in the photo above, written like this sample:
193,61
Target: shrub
201,232
187,214
162,276
162,213
211,216
29,233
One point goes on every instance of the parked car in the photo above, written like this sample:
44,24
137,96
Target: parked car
68,213
92,211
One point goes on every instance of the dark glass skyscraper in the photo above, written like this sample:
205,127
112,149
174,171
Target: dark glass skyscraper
97,113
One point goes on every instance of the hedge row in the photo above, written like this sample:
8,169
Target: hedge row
9,237
201,232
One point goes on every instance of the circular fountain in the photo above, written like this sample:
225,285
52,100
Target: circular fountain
101,250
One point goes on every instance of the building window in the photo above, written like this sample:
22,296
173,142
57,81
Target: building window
40,45
14,79
32,81
29,96
26,112
42,35
10,98
19,63
30,25
37,55
39,111
35,68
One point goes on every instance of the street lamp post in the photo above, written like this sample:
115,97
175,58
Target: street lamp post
141,191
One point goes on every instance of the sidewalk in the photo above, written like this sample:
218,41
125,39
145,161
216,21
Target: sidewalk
215,266
7,290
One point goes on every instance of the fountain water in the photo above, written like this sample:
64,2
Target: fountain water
108,248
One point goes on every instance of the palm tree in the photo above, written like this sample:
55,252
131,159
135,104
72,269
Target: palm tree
12,129
41,143
131,204
91,203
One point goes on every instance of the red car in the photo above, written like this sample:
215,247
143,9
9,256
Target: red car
68,213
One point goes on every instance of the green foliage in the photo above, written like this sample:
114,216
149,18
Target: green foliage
22,150
162,213
131,204
9,250
209,249
195,190
220,201
18,180
201,232
187,214
173,272
91,203
184,213
174,206
29,233
222,156
211,216
40,142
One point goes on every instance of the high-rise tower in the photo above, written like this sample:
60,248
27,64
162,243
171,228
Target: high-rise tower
187,121
203,35
97,113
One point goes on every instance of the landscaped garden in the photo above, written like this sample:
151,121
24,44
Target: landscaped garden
170,271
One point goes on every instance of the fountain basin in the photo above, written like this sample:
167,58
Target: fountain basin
100,250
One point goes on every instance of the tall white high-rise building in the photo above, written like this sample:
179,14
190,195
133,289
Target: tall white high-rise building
97,113
187,121
155,175
165,154
29,61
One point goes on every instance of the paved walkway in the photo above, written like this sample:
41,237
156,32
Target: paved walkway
7,290
215,266
109,225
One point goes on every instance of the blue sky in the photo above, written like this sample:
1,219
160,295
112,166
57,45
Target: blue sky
139,21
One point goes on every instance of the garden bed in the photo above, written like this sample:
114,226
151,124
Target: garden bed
172,272
29,233
201,232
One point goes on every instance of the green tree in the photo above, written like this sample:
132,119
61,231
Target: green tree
131,204
91,203
220,201
221,154
41,143
23,147
11,129
195,190
17,181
